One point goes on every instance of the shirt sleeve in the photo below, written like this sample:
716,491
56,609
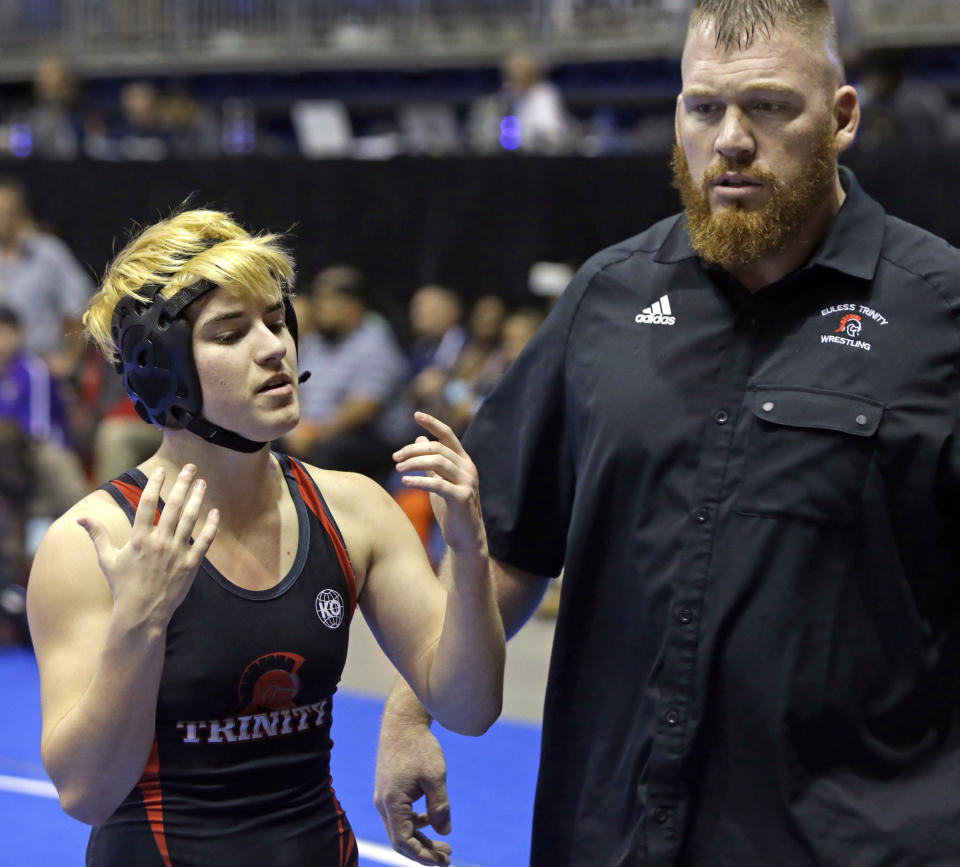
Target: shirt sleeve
380,368
520,445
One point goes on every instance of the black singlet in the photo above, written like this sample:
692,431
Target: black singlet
239,772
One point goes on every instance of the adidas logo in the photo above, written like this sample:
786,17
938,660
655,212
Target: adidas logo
658,313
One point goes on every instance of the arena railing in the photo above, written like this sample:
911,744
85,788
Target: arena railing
108,37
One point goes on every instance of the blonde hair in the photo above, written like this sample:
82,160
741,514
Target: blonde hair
182,250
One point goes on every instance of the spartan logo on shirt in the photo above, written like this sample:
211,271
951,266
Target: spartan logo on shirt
268,687
851,325
658,313
330,608
270,682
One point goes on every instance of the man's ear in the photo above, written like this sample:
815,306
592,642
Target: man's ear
846,113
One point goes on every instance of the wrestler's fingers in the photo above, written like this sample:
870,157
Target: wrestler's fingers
442,431
424,446
437,464
440,486
100,536
173,506
149,500
190,512
204,539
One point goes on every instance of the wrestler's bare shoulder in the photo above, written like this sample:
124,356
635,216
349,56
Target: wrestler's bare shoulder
350,493
362,509
65,531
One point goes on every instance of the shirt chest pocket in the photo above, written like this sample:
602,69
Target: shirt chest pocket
807,453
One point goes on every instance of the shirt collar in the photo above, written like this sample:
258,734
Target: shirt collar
852,244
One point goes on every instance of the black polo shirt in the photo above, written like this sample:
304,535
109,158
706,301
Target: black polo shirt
756,499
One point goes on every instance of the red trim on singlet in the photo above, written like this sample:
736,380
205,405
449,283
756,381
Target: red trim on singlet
133,493
348,843
152,795
308,491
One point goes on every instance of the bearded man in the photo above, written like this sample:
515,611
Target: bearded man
756,653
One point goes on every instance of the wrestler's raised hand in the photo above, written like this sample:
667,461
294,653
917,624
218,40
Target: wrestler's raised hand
451,479
150,575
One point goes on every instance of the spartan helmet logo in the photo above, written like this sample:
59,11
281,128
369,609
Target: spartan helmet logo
851,324
330,608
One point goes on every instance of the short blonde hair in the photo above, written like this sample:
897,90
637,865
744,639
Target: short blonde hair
182,250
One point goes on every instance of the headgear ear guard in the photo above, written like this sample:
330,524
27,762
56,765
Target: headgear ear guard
154,343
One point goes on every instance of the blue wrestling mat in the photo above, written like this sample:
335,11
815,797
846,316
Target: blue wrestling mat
491,783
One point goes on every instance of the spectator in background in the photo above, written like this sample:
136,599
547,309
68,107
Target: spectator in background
438,338
453,403
138,134
55,120
41,282
518,329
527,114
358,371
466,395
192,129
484,325
30,397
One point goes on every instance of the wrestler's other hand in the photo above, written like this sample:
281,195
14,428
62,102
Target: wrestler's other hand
451,479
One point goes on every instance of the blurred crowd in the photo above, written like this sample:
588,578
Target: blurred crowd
527,112
151,121
66,424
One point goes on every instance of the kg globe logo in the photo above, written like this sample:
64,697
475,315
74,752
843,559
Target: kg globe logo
330,608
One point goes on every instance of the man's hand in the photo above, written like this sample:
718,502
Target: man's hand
411,764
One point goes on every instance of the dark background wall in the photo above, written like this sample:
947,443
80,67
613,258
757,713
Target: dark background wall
475,224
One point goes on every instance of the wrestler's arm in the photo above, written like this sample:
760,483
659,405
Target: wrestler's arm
445,640
99,599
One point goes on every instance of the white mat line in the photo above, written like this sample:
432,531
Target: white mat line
45,789
26,786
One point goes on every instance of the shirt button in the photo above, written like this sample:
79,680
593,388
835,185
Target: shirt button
720,416
768,406
702,516
684,615
660,816
861,420
671,717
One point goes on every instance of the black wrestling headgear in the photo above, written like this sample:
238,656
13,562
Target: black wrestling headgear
154,344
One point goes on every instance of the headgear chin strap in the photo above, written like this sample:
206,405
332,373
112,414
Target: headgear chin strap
154,343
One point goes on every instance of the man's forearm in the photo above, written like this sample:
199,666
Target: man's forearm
518,592
402,705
